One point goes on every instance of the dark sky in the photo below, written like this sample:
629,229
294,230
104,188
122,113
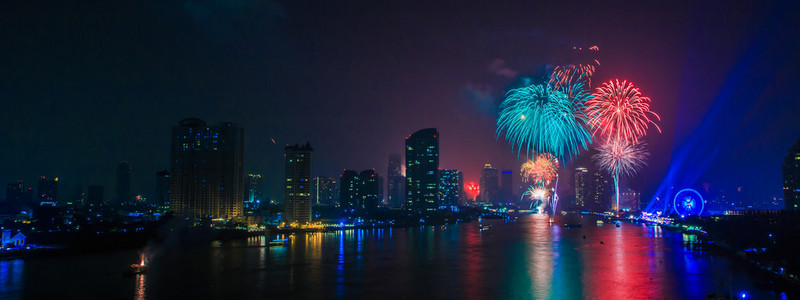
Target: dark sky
86,84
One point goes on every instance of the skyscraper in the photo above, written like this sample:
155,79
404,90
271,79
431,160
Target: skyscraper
46,192
297,195
349,191
602,189
506,186
123,187
422,167
369,190
490,189
396,181
206,170
162,189
582,188
254,194
325,191
791,178
451,186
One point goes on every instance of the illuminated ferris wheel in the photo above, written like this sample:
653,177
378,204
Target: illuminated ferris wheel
688,202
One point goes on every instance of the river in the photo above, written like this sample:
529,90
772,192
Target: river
527,259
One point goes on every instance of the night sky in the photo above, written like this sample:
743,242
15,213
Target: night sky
87,84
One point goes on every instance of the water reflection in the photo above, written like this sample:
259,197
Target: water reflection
528,259
11,276
540,261
140,287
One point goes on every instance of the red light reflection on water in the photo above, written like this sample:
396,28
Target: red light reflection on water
624,266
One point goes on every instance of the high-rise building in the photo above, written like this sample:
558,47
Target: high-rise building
18,194
46,192
206,170
162,190
630,200
94,195
490,187
422,167
506,186
254,194
369,190
123,187
451,187
325,191
602,190
791,178
582,189
297,195
395,181
349,191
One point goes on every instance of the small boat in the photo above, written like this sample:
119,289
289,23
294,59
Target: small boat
135,269
577,225
617,223
600,222
485,227
278,242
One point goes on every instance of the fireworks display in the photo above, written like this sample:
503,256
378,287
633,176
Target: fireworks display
620,157
618,111
543,119
540,170
472,189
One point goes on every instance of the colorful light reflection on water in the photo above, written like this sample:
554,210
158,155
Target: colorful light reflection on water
528,259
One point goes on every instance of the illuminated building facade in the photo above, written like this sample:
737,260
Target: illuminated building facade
123,187
422,168
162,190
395,181
630,200
451,187
206,170
46,192
349,190
602,191
490,187
582,189
791,178
297,194
255,195
325,191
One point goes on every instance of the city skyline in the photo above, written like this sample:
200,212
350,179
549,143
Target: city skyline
699,87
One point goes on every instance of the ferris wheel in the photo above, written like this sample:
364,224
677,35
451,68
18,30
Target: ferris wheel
688,202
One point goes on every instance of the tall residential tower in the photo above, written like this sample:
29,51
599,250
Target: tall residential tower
297,195
206,170
422,168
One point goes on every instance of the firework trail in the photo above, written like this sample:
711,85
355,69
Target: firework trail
620,157
618,111
584,71
543,119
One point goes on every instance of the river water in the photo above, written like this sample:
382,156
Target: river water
527,259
